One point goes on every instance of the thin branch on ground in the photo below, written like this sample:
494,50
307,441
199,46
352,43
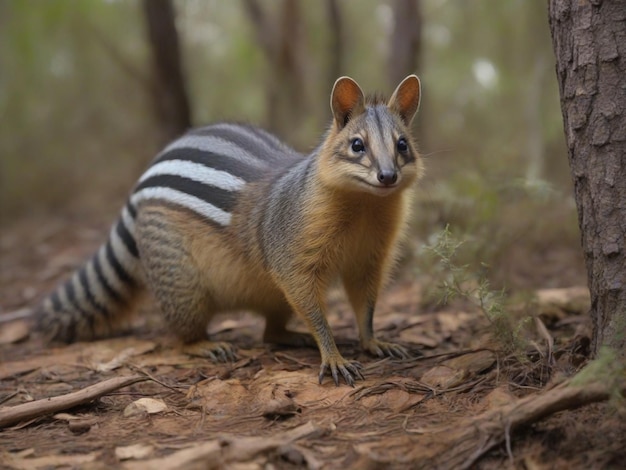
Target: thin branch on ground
46,406
456,446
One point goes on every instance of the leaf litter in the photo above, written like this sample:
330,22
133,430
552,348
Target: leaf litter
444,408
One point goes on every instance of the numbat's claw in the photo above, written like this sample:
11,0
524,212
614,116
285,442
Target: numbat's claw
349,370
385,349
215,351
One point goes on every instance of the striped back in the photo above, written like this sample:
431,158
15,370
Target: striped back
202,171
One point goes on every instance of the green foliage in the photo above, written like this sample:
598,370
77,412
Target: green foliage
455,281
608,367
510,224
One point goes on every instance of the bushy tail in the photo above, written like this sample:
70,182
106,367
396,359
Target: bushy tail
97,297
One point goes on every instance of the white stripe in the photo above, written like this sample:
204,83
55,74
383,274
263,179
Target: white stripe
215,145
191,202
125,257
128,221
254,136
94,285
65,302
109,273
80,296
197,172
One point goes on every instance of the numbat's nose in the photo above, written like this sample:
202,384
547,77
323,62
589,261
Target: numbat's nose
387,177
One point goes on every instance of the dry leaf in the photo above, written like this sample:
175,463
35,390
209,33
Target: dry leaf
280,407
14,332
499,397
66,417
570,299
472,363
443,377
145,405
136,451
460,369
121,358
49,461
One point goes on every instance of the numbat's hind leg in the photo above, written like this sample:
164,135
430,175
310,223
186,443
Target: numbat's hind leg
174,278
276,331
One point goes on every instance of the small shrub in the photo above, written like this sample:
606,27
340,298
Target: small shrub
451,281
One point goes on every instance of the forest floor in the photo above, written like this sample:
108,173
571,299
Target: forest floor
448,407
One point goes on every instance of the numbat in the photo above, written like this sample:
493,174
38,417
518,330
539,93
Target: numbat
229,218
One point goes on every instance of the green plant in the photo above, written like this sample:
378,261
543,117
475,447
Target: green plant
454,281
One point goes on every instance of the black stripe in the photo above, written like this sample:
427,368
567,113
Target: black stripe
352,159
407,158
247,138
117,267
127,238
218,197
69,331
116,296
379,123
216,161
57,305
71,296
82,277
131,210
83,314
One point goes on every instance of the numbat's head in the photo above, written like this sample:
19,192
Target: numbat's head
369,147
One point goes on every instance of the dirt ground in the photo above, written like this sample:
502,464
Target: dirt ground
267,410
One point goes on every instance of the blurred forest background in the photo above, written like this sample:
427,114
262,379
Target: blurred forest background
83,107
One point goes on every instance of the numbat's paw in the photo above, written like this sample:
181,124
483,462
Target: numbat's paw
348,369
384,349
214,350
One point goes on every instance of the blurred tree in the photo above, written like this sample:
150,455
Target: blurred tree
406,40
282,39
337,40
589,40
405,50
169,92
536,62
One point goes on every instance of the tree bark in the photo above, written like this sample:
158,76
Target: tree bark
589,40
170,99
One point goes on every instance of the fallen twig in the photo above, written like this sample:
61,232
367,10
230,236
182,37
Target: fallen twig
46,406
218,453
466,442
20,314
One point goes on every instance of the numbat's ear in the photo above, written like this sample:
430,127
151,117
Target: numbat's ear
406,99
346,101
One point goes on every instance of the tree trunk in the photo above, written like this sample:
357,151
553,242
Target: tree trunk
405,52
282,39
589,40
336,36
406,40
170,99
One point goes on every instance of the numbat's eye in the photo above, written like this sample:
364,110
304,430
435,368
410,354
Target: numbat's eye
357,145
402,145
